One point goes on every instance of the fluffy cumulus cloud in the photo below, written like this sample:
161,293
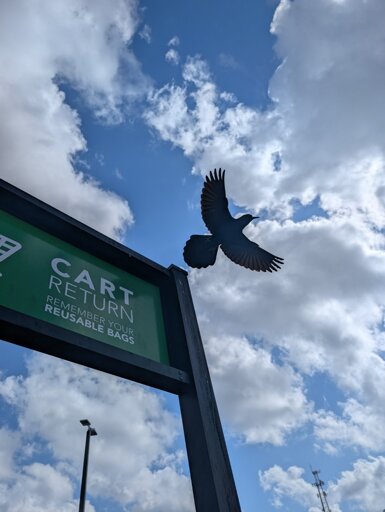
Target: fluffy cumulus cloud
134,461
39,487
324,122
276,396
361,487
84,44
328,91
356,425
172,54
210,129
289,484
9,442
319,142
311,313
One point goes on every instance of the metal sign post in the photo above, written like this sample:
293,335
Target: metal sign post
209,462
71,292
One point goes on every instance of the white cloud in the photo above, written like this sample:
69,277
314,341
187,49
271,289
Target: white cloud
309,310
258,398
324,309
215,134
84,44
325,121
133,457
9,443
289,483
118,174
228,61
145,33
39,487
362,486
328,91
358,425
174,41
172,56
31,487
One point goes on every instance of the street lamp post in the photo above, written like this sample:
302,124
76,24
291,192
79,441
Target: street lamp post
90,432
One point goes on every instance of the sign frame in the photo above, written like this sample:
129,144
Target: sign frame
187,374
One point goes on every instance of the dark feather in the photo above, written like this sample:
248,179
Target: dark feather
248,254
200,251
214,204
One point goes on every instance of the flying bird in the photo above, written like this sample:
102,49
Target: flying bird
226,232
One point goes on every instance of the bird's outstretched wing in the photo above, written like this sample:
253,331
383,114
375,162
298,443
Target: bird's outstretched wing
214,204
250,255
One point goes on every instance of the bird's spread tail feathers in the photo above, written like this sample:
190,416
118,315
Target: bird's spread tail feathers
200,251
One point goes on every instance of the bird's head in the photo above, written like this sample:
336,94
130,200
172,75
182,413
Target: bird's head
244,220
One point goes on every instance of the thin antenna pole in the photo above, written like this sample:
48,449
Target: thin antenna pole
320,490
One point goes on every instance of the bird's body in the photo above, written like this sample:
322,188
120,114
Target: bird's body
226,232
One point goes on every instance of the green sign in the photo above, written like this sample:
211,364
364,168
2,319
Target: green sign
48,279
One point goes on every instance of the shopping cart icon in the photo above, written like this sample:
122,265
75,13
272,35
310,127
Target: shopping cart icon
8,247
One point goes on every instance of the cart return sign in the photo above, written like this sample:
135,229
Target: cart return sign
53,281
73,293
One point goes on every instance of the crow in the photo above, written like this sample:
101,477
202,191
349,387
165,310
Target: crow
201,250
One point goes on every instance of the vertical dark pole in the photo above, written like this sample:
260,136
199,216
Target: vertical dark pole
85,469
212,479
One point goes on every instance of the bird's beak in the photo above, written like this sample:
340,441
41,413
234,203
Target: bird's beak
255,218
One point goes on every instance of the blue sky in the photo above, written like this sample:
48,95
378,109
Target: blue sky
114,112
